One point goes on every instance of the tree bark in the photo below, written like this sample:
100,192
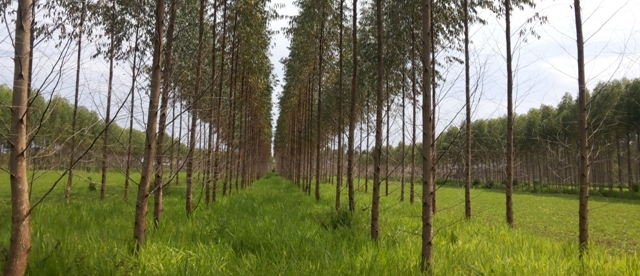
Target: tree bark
509,186
426,260
130,139
375,206
140,226
107,119
194,112
319,122
352,110
20,241
584,145
414,92
340,119
467,78
67,192
162,124
216,114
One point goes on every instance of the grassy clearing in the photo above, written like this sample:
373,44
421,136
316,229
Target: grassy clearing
273,229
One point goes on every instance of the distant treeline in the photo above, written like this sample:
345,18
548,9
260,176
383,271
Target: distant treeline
49,123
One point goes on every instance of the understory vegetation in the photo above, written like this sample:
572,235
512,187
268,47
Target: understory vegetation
271,228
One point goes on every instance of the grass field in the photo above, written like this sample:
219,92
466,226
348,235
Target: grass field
273,229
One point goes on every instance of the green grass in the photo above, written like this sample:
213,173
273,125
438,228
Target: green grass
273,229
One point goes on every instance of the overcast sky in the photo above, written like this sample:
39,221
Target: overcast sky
545,68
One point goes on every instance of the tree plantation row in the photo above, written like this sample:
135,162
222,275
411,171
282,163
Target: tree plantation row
544,145
198,70
364,73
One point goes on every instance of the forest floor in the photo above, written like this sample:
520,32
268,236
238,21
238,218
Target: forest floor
272,228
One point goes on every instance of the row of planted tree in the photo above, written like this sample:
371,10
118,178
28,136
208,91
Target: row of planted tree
544,141
348,79
206,61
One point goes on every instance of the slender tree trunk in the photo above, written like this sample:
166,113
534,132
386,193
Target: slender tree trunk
319,122
158,188
180,157
386,151
403,137
375,206
368,155
67,194
582,129
194,112
220,86
619,155
467,165
507,6
216,114
130,138
352,109
107,119
414,92
150,145
20,241
234,100
340,119
629,164
190,155
426,261
434,84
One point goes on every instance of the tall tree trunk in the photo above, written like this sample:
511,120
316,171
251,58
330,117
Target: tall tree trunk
426,260
403,137
107,119
509,193
375,206
414,93
319,122
20,241
162,124
234,99
434,85
340,119
215,114
140,227
67,192
220,86
582,129
352,109
194,112
130,138
386,151
467,78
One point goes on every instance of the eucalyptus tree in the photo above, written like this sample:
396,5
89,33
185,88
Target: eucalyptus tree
426,260
321,46
340,112
507,8
194,100
352,108
20,242
467,80
215,113
82,10
162,123
140,225
375,205
110,14
583,223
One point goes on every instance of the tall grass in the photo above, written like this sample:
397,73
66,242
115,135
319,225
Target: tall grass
273,229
